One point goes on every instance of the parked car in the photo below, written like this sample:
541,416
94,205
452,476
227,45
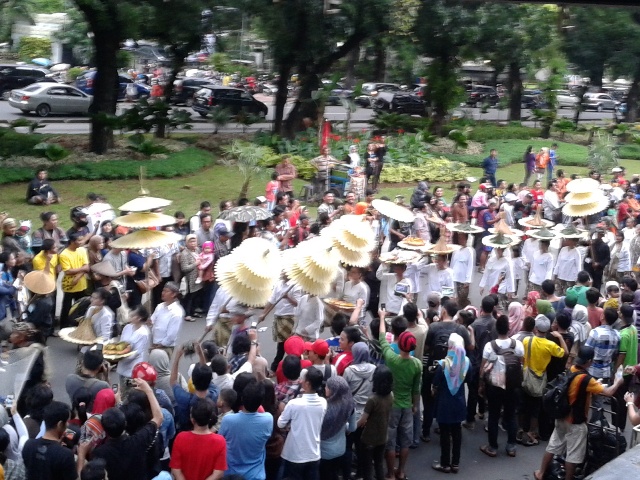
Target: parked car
337,94
233,99
532,99
85,83
393,102
48,98
371,90
185,88
18,76
599,102
566,99
481,94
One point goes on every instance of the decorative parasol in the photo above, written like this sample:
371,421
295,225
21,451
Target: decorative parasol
587,209
394,211
583,185
143,202
536,221
245,214
313,265
441,247
543,234
146,239
144,220
584,198
502,238
40,282
249,273
464,228
353,233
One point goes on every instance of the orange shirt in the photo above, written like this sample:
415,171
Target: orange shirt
594,388
561,185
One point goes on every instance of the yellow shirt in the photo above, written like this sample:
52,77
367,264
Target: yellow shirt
541,352
70,261
40,260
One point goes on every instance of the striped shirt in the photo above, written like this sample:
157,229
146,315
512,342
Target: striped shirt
606,343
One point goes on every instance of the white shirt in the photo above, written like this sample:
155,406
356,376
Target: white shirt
393,303
489,354
337,286
352,293
541,268
550,204
139,340
220,299
624,258
284,307
492,274
166,323
305,415
530,246
629,234
102,322
462,264
99,212
309,316
519,267
568,264
508,214
433,279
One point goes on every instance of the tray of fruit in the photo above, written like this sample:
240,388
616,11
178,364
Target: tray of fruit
117,351
414,243
339,304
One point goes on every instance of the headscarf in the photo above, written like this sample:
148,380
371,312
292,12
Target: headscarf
532,298
360,352
340,405
105,399
354,156
95,255
579,323
455,364
544,307
516,317
160,361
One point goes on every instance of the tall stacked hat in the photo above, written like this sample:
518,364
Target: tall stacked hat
584,198
249,273
504,237
312,265
502,225
536,221
352,239
441,247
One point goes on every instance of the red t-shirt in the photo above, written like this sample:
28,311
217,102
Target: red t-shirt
197,456
623,211
343,361
537,196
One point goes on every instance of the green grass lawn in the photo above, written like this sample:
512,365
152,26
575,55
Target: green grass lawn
512,151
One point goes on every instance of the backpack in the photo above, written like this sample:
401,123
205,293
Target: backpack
441,347
511,368
555,399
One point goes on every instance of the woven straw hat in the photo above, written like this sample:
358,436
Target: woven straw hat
40,282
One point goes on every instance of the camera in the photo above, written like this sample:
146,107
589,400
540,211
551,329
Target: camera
129,382
70,438
401,289
189,347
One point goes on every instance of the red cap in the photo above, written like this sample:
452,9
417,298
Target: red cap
320,347
145,371
294,345
308,346
407,341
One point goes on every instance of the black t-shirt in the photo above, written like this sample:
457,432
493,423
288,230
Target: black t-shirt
126,456
557,365
48,460
438,330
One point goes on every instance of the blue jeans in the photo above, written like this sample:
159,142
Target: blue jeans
492,178
302,471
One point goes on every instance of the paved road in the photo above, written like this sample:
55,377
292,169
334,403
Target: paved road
474,464
359,119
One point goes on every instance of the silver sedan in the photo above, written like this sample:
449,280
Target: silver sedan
48,98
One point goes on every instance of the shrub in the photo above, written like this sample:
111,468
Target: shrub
74,73
17,144
485,132
437,169
603,153
32,47
398,122
52,151
631,152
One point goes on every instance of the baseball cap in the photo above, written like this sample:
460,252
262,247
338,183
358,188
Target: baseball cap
543,324
319,347
222,231
526,193
584,355
434,298
294,345
262,199
510,197
407,341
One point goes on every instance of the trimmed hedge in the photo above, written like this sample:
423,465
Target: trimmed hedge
185,162
631,152
14,144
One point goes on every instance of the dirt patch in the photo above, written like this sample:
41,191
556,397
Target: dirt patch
448,146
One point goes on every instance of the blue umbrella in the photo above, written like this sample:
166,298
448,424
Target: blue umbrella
43,62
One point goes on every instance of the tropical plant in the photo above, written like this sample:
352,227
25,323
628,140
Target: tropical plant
564,126
23,122
246,119
52,151
246,157
460,137
220,117
139,143
603,153
33,47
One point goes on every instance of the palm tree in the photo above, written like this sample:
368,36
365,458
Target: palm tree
245,157
219,117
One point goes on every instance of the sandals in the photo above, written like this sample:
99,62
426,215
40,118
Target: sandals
529,441
436,466
454,468
487,450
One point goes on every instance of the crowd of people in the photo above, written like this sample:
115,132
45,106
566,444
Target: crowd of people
349,392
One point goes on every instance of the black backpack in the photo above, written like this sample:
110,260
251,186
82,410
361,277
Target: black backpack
513,366
555,399
441,347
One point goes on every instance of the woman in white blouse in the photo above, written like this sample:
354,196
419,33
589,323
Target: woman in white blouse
138,335
101,316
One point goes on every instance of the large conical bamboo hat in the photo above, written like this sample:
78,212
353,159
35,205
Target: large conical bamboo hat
542,234
536,221
40,282
584,198
583,185
144,220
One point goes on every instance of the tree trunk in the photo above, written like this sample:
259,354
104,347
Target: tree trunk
281,96
515,92
245,189
631,115
578,108
105,89
351,67
381,54
305,111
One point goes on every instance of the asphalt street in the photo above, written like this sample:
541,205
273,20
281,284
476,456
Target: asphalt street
474,464
359,119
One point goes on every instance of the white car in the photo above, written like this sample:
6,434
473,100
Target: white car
48,98
566,99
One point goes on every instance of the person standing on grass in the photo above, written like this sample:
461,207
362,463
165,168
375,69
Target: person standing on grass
490,167
74,261
529,164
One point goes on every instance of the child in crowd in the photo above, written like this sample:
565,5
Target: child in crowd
226,401
501,189
613,295
271,191
205,267
519,266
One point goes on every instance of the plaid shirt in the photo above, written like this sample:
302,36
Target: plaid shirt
606,343
287,390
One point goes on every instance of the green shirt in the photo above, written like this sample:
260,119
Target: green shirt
581,290
629,345
407,374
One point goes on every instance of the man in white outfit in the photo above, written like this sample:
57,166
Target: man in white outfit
462,263
568,264
541,267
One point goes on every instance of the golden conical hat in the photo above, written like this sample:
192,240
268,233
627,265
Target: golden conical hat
84,331
144,203
441,247
349,257
585,210
583,185
584,198
40,282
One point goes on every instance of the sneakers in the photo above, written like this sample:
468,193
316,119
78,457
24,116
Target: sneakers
469,425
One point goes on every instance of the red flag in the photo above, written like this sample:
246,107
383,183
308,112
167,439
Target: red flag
325,133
